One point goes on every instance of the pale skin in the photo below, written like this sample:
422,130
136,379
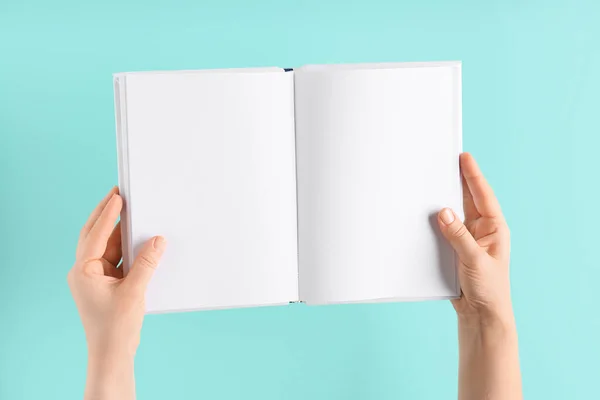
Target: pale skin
111,306
488,351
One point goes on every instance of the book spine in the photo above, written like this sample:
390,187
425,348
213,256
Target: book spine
296,179
123,168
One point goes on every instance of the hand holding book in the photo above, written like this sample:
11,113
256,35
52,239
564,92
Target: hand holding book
489,357
112,307
313,185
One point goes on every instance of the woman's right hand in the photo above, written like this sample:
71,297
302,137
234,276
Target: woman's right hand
482,244
487,334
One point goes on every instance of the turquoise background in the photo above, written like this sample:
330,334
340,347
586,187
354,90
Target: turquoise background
531,117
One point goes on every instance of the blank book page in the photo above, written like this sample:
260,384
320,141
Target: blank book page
212,169
377,158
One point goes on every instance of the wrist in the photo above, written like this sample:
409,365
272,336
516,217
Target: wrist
489,329
486,317
110,375
109,367
111,348
489,356
110,360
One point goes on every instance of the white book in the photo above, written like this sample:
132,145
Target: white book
318,185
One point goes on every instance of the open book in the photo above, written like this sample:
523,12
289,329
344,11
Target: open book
318,184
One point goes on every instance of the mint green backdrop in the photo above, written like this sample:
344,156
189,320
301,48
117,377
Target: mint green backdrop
531,117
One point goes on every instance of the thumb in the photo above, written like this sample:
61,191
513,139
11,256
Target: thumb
145,263
459,237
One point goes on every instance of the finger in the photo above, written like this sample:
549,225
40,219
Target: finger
96,241
459,237
113,251
145,264
96,213
483,196
469,208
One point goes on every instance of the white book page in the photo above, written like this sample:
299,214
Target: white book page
377,158
212,168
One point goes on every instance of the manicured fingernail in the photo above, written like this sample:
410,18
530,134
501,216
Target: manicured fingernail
447,216
159,243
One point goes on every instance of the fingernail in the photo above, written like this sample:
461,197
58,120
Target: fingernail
159,243
447,216
112,199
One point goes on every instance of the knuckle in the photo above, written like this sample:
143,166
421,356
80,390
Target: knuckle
501,225
460,231
148,260
88,268
70,277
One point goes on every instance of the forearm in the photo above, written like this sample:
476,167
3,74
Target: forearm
489,361
110,377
